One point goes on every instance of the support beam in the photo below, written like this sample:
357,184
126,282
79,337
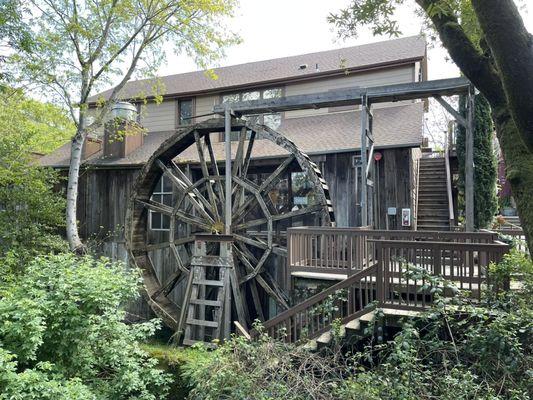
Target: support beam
352,96
469,162
364,187
227,213
448,107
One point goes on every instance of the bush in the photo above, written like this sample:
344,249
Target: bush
174,360
62,334
456,350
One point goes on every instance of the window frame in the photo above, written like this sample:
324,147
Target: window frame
160,191
178,111
261,91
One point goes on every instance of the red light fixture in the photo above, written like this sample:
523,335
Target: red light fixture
378,156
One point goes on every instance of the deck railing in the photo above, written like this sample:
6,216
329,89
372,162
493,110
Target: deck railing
348,250
386,283
516,235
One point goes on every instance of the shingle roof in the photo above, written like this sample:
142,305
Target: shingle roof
395,126
281,69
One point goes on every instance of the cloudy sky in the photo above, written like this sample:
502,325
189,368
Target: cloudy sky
279,28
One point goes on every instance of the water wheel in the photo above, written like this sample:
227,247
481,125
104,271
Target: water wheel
192,161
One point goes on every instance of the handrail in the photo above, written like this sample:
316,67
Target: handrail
451,215
417,184
487,235
317,298
382,283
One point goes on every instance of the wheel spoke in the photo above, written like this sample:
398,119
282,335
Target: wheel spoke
214,168
190,187
182,187
274,292
279,217
258,268
266,186
205,172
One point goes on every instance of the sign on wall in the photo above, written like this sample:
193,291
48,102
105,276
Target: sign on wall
406,217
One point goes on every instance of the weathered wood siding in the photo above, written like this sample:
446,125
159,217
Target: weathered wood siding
105,193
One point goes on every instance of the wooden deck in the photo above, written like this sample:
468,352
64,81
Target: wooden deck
375,264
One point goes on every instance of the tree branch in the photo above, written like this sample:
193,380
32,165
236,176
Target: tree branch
474,64
512,48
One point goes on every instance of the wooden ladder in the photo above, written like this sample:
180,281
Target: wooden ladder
208,287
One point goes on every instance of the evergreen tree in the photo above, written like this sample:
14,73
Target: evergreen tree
485,164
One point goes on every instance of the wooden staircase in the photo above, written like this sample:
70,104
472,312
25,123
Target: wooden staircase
433,205
362,328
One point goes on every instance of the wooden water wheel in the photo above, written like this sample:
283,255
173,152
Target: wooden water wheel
191,161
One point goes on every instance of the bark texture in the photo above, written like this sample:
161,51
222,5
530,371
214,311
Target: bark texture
481,70
76,150
512,49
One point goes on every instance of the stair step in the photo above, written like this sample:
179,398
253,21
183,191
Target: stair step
368,317
208,283
210,303
325,338
201,322
354,325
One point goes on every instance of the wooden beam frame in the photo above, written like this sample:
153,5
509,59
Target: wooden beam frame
351,96
380,94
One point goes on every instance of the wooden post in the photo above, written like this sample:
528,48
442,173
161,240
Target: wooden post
227,215
469,162
364,195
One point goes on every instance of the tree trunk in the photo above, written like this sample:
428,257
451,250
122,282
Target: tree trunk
518,168
479,68
76,151
511,46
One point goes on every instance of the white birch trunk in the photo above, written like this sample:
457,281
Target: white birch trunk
73,237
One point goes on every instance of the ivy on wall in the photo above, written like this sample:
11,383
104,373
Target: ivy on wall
485,163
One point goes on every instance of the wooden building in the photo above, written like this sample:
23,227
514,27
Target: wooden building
330,136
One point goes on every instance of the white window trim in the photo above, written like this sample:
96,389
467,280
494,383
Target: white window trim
160,191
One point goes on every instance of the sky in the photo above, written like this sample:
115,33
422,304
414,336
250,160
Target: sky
280,28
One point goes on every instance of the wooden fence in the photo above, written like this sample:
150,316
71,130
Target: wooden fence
385,282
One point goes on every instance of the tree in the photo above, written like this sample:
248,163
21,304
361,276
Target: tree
80,45
485,171
31,213
63,335
488,41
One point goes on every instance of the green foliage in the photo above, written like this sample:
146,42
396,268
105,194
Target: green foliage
62,334
381,17
174,360
458,349
31,214
485,165
80,47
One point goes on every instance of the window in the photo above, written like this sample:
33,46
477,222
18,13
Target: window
302,190
273,121
185,111
162,194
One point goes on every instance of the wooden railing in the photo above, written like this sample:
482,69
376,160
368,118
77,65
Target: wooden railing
345,300
347,250
386,282
517,236
451,216
465,265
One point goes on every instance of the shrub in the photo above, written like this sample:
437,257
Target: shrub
456,350
62,334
